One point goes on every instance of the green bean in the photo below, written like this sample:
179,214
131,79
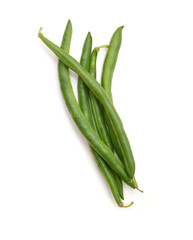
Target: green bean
83,96
85,127
107,75
98,116
100,93
106,81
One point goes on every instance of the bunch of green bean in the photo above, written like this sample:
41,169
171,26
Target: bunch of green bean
95,114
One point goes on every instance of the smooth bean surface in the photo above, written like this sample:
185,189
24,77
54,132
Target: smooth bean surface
106,81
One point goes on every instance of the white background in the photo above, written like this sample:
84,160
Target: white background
50,187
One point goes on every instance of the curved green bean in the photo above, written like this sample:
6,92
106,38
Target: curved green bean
106,81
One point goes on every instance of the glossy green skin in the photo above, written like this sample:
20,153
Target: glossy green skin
83,97
125,155
80,119
99,119
110,61
100,93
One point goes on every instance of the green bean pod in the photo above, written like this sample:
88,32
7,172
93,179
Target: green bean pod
83,97
99,119
100,93
106,81
82,122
